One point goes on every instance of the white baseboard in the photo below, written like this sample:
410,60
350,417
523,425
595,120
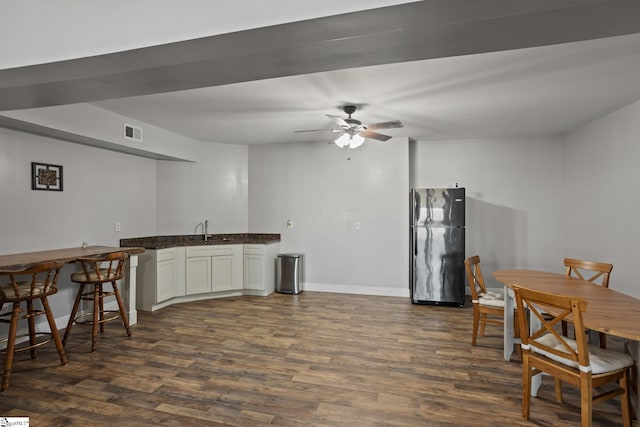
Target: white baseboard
355,289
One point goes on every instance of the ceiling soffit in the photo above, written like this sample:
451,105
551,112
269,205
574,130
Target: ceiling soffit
406,32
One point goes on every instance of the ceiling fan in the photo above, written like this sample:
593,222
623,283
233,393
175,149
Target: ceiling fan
353,132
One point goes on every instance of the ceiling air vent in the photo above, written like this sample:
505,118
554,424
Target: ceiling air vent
132,132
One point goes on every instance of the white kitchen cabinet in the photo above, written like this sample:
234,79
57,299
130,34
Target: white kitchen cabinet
190,273
213,268
198,276
259,268
167,276
160,277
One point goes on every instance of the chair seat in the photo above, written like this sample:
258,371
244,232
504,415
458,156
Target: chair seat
601,360
491,299
24,291
495,293
104,276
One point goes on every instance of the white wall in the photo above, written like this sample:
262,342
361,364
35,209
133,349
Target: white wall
515,211
324,194
100,188
602,198
214,188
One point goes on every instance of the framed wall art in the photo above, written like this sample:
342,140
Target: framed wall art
46,177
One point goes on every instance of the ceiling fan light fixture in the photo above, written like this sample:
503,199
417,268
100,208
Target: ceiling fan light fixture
356,141
343,140
349,140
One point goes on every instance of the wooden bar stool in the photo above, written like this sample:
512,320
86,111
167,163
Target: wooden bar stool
21,288
97,271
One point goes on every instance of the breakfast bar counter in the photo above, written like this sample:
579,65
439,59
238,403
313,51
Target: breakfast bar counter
16,262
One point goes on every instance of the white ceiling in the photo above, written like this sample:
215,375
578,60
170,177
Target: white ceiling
535,91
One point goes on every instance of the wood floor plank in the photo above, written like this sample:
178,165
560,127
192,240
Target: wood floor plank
314,359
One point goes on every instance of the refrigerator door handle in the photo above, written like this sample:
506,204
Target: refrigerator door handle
412,208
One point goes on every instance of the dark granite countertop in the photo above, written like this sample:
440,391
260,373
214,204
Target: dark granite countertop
162,242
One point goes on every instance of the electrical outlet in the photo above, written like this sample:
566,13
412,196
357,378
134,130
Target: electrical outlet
116,226
357,225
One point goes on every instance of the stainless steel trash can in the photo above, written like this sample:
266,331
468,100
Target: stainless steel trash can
289,273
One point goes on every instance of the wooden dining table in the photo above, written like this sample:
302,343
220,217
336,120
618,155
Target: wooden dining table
13,263
608,311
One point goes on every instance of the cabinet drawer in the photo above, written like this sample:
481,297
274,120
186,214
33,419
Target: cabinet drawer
166,254
254,249
213,250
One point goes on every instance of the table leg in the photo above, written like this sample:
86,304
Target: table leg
508,323
510,340
130,293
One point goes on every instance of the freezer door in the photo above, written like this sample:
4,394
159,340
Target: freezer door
438,207
438,266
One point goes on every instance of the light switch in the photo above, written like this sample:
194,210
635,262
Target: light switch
289,223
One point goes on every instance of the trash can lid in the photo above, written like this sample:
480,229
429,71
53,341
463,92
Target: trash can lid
290,255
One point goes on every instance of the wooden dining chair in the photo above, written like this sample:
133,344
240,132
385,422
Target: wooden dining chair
34,282
595,272
545,349
488,306
96,272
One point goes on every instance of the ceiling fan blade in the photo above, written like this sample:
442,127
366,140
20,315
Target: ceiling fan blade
385,125
334,130
375,135
339,121
314,130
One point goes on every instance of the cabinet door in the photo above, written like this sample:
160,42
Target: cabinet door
166,278
254,272
198,274
222,273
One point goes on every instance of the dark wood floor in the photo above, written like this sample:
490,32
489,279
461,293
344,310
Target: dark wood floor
315,359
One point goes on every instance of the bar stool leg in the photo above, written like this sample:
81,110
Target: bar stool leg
96,316
74,311
54,330
11,346
32,328
123,313
101,298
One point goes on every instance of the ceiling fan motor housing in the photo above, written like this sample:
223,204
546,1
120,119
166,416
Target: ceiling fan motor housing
349,109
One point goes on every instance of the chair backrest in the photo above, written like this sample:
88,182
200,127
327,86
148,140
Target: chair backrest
105,267
474,275
550,310
579,268
43,281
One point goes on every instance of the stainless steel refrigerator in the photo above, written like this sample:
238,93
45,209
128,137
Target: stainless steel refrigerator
437,246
